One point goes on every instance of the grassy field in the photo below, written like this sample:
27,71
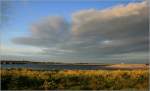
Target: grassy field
27,79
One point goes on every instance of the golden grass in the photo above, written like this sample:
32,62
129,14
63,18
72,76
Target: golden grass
74,79
129,65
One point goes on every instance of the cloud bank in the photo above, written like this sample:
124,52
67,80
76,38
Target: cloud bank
119,30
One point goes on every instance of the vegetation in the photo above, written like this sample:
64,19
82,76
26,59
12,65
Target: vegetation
27,79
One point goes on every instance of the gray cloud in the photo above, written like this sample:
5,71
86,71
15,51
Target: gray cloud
46,33
93,33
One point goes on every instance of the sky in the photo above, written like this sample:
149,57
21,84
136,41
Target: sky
85,31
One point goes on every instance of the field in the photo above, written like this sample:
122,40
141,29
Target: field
27,79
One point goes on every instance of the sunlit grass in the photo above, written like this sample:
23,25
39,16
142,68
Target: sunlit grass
74,79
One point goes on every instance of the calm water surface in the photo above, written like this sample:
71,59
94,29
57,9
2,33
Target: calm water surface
52,66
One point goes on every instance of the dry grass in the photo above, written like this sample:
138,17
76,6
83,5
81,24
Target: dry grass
129,66
74,79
